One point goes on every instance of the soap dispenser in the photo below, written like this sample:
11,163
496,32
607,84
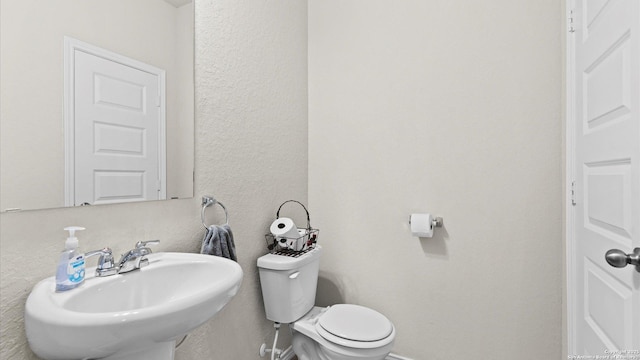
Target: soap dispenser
70,273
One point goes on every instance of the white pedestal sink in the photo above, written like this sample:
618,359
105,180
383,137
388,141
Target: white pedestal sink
133,316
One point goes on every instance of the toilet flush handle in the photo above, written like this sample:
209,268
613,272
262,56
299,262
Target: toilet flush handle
294,275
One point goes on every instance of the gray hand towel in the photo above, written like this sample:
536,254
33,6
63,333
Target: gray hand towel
218,241
227,239
211,242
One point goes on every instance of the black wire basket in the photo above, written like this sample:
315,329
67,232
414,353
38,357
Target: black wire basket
293,246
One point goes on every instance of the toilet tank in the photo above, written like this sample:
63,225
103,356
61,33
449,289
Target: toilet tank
289,284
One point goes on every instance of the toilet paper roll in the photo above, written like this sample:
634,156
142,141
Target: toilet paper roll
284,229
421,225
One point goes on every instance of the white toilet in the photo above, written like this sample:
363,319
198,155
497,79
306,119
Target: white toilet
338,332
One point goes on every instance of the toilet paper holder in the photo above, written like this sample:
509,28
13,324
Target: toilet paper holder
425,224
436,222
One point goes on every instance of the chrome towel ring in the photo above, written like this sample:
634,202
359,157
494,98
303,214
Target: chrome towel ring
207,201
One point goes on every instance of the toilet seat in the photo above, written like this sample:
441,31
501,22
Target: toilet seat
354,326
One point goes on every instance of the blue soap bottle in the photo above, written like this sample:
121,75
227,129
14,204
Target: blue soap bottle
70,272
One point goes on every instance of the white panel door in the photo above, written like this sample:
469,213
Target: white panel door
605,313
117,134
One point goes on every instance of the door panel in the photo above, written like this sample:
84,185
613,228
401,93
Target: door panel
117,139
110,185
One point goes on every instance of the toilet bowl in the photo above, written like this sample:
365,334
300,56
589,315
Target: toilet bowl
342,332
337,332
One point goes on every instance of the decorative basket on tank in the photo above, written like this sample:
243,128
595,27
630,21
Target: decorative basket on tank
286,239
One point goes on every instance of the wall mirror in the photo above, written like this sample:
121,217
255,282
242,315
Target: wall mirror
47,93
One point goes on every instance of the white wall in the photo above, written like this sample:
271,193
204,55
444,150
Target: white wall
31,70
181,132
251,91
453,108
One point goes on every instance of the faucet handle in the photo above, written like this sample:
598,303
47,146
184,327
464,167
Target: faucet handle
106,265
141,244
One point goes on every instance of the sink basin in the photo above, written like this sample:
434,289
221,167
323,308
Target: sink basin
137,315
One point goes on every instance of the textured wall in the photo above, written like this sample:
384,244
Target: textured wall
454,108
251,93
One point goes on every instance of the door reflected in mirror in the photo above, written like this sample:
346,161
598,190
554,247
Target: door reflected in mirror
38,159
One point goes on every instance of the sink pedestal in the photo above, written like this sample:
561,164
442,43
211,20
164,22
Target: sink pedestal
158,351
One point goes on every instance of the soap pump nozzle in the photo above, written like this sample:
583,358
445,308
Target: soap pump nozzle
72,240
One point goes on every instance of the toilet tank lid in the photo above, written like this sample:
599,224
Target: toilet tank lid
281,262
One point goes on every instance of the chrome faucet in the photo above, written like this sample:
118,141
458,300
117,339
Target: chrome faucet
136,258
106,265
